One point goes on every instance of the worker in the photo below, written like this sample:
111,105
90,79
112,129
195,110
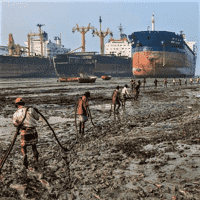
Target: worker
197,80
155,82
124,95
179,81
191,80
132,86
83,111
144,82
174,81
185,80
116,99
29,135
137,90
165,83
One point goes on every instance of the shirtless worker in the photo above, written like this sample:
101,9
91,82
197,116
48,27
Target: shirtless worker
83,111
116,99
179,81
144,83
155,82
132,86
165,83
29,136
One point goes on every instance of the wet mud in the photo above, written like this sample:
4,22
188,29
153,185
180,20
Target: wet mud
150,150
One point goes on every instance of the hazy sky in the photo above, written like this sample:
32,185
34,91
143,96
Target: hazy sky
21,17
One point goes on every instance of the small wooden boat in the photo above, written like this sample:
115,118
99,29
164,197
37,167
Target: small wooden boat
69,79
106,77
87,80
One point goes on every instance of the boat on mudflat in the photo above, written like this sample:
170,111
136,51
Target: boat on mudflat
71,64
69,79
106,77
86,79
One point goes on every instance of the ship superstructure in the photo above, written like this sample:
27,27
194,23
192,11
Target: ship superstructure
119,47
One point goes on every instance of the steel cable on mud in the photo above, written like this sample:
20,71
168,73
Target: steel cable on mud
65,149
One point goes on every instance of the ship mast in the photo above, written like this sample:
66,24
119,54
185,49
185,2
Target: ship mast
153,22
120,31
102,35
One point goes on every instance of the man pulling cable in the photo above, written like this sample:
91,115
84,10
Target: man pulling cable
29,135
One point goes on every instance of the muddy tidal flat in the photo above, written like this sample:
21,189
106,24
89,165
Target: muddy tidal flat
150,150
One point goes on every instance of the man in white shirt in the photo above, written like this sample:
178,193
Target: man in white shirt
124,94
174,81
29,136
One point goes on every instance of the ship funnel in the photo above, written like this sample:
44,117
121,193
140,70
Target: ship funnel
153,22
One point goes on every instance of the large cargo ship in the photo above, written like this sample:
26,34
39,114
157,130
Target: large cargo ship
161,54
72,64
37,63
26,67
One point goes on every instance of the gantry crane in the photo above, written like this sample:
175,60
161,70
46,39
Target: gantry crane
83,31
102,35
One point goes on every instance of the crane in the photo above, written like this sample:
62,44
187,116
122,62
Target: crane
83,31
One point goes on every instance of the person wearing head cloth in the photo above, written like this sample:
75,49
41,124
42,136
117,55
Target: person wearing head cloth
29,136
124,95
83,112
116,99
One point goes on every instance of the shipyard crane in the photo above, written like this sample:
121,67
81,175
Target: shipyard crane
102,35
83,31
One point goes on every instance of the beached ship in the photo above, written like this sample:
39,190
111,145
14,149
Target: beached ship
162,54
72,64
33,61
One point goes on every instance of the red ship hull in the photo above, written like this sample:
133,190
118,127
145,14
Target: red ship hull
159,64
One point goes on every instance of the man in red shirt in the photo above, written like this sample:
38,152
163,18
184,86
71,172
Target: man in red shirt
83,112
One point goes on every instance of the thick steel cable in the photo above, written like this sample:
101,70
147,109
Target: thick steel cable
65,149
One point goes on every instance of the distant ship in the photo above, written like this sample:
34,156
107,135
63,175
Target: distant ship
72,64
116,61
162,54
36,63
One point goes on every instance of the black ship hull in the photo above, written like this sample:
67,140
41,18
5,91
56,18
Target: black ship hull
26,67
71,65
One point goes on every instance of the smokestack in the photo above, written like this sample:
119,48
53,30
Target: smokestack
153,22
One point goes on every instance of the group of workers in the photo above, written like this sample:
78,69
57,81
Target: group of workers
29,116
165,82
29,135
